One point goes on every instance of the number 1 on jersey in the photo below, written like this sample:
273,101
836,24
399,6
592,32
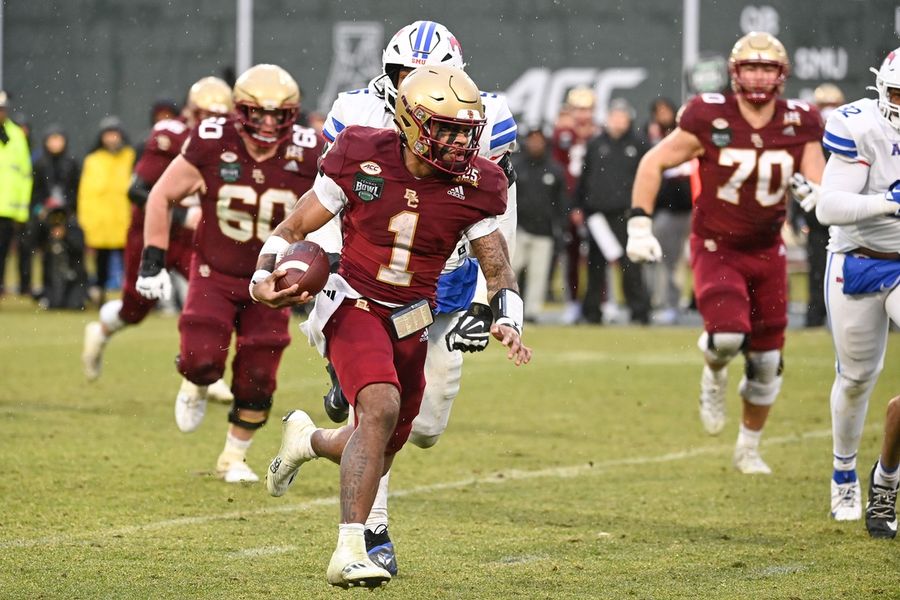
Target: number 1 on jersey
403,225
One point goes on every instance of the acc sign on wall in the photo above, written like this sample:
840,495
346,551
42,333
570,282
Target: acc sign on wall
537,95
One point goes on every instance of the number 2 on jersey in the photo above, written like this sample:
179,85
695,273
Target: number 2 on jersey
746,162
403,225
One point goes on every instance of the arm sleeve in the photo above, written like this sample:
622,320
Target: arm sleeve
481,228
329,193
840,202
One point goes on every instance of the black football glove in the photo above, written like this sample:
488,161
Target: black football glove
472,331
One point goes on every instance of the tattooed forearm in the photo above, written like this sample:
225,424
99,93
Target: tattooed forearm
493,256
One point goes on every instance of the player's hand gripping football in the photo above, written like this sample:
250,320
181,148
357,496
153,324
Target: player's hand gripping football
805,191
153,280
510,337
263,290
472,331
642,245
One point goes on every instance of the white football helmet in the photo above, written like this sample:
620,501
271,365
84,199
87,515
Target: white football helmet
421,43
888,76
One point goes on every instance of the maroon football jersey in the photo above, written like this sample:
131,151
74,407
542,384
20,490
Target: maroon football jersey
398,230
744,172
163,145
244,199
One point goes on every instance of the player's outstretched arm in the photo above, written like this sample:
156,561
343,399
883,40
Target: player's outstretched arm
307,216
503,292
678,147
179,180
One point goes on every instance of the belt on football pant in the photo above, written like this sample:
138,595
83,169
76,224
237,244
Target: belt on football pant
875,253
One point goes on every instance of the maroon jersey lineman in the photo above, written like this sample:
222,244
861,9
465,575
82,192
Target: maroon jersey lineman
245,200
738,258
745,171
398,230
398,233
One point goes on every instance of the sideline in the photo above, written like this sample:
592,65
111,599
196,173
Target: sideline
496,478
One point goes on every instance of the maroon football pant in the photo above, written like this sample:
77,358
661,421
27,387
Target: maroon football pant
217,305
178,257
742,291
364,350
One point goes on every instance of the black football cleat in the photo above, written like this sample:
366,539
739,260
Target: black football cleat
336,406
381,550
881,509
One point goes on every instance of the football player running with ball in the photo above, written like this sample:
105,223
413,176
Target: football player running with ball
749,144
462,319
208,97
249,170
860,200
407,197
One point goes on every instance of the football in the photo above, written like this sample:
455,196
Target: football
306,265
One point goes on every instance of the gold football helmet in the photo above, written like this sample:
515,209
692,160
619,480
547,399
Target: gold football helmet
440,117
757,48
209,96
266,91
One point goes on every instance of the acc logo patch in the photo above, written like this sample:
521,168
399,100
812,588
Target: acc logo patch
228,157
370,168
367,187
720,123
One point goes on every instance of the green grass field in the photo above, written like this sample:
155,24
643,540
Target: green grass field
583,475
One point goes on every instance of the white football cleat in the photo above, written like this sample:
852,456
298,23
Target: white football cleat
713,389
190,406
296,448
748,461
92,353
349,569
220,392
235,471
846,501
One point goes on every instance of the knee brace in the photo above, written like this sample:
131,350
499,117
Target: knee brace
236,417
762,377
719,348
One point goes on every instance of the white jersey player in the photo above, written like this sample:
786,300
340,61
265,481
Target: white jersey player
463,319
861,202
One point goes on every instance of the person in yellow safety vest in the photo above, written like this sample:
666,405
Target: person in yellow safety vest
15,182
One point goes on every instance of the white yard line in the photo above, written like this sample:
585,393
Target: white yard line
500,477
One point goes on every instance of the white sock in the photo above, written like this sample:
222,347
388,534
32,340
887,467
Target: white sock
236,447
352,537
379,514
748,438
844,463
888,479
109,317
